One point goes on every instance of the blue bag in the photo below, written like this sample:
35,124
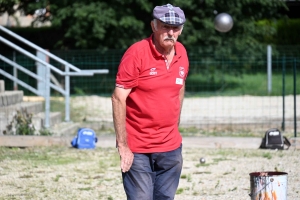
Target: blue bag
85,139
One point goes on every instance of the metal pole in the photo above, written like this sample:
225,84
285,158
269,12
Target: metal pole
269,61
283,94
67,95
15,72
295,94
47,98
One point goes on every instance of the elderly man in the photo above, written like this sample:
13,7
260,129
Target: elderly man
147,103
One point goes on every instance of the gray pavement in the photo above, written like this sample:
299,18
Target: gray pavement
201,142
109,141
209,142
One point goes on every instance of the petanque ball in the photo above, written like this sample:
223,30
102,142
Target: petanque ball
202,160
223,22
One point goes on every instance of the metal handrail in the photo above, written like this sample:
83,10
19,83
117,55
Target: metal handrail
25,85
67,73
30,55
38,48
33,75
54,57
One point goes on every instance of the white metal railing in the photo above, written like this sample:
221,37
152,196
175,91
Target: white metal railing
67,73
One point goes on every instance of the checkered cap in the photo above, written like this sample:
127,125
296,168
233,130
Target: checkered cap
169,14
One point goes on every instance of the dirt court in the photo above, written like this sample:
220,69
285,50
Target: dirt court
68,173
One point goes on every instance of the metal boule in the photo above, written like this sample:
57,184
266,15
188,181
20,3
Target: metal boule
223,22
202,160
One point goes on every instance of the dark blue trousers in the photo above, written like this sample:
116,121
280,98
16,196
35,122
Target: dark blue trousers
153,176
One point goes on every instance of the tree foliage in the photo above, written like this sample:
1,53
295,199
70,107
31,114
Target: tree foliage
98,24
8,6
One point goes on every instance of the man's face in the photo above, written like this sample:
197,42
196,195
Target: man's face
165,34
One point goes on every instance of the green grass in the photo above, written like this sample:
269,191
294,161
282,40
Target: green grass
267,155
194,131
58,156
37,156
225,132
232,85
48,169
179,190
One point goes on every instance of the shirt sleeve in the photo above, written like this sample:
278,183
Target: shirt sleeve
128,72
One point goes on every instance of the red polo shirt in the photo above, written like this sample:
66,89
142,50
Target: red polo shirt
153,106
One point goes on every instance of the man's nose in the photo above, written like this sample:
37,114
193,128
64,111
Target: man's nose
170,32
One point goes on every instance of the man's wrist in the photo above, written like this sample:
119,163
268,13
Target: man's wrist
121,144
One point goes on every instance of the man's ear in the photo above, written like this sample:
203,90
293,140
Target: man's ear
181,30
152,26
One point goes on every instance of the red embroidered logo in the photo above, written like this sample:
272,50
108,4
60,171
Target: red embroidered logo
181,71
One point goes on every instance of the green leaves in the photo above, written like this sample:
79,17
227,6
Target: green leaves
96,24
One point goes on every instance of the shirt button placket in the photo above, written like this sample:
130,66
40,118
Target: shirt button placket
166,61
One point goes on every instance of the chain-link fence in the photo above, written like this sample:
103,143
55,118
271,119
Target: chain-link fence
223,90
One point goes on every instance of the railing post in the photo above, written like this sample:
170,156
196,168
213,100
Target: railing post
295,96
47,98
15,72
269,68
283,94
67,94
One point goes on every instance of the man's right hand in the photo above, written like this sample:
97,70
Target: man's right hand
126,158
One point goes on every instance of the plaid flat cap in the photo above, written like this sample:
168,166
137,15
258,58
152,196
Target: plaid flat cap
169,14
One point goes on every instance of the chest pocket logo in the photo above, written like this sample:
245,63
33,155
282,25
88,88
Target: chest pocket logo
153,72
181,71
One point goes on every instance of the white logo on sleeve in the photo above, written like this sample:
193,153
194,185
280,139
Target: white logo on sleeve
179,81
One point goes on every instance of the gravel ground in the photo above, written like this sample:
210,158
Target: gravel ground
227,176
67,173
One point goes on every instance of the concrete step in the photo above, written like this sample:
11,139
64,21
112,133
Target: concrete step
65,129
8,112
31,107
2,86
38,119
10,98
